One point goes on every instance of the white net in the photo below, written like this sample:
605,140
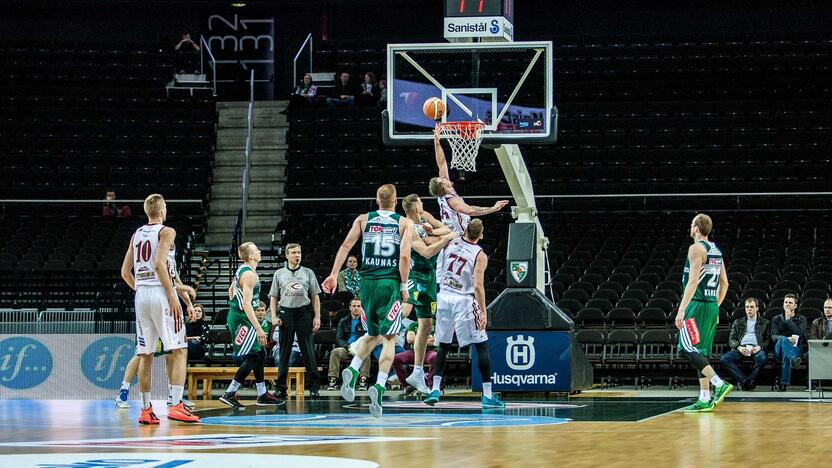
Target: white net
465,139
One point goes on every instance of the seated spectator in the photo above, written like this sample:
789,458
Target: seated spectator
196,332
350,329
788,334
343,94
821,328
405,359
382,93
749,339
187,55
303,96
369,90
349,278
110,208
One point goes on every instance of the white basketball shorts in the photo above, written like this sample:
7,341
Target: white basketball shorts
155,322
455,313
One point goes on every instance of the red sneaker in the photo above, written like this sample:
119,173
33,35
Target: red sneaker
147,416
182,414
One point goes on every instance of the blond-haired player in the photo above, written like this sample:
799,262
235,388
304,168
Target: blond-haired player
158,313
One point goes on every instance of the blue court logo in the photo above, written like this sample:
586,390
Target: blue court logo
24,363
104,361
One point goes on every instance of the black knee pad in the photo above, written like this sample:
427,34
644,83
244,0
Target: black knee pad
697,360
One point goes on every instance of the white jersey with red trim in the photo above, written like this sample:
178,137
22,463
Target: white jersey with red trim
449,217
458,266
145,248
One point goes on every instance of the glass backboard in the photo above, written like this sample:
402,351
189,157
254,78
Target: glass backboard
506,86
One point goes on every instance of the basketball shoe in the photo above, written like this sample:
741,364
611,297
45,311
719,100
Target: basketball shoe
433,398
349,376
376,393
121,399
493,402
417,381
699,407
721,392
231,400
147,416
182,414
268,399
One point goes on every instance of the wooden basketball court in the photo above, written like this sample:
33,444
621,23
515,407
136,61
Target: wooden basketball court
593,429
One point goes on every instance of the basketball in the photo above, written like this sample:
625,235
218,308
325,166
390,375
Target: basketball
434,108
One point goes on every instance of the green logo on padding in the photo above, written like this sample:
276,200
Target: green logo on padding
519,270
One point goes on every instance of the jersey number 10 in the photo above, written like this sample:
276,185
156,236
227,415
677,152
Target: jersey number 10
143,251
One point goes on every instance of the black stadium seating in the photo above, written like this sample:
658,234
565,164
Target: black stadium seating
76,120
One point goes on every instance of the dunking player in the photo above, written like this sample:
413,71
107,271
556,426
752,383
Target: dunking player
385,270
461,309
706,284
453,210
158,312
422,284
248,338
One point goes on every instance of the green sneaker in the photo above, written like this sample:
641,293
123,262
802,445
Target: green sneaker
348,378
721,392
376,394
699,407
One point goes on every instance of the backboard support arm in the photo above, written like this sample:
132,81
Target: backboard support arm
520,184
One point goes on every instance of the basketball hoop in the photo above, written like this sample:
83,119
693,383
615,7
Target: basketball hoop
465,139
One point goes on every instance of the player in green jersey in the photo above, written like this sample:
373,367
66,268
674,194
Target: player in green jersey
706,284
248,338
385,271
422,284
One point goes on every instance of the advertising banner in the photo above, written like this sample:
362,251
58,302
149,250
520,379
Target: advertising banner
74,367
524,361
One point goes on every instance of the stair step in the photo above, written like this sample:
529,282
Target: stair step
257,190
260,173
236,157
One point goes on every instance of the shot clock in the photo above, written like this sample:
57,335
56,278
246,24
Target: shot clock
484,19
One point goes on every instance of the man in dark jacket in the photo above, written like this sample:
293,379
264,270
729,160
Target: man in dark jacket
350,329
343,94
749,339
821,328
788,334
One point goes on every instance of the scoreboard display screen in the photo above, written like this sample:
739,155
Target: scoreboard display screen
474,8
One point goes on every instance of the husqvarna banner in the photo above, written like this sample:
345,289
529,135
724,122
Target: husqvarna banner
526,361
80,367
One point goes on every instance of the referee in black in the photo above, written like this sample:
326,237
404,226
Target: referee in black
297,312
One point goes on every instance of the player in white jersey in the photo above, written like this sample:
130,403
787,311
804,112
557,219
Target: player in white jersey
158,312
453,211
460,309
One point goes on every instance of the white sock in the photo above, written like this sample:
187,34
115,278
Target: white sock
176,393
145,400
716,381
233,386
705,395
486,390
125,385
261,388
437,383
382,378
356,363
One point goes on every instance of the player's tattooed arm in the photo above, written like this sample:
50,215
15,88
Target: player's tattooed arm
458,205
